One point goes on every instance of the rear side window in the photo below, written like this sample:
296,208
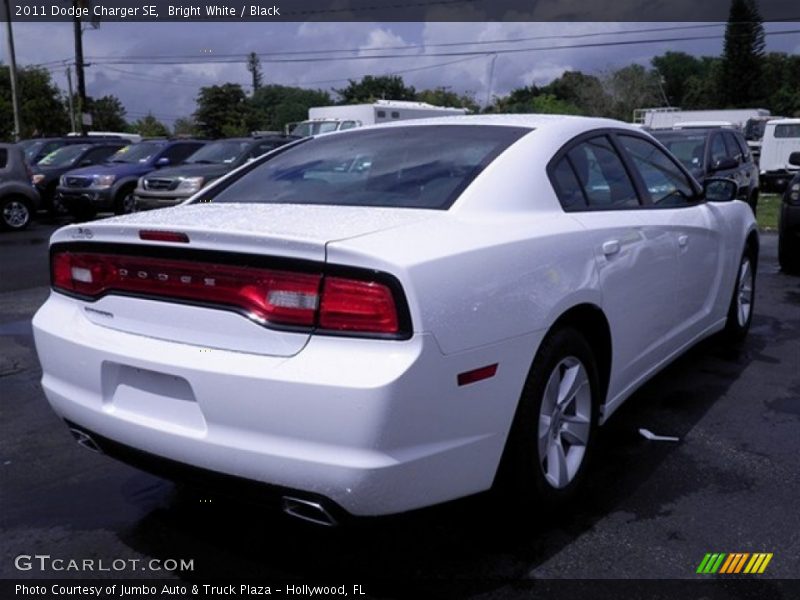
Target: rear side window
416,167
3,158
568,188
602,175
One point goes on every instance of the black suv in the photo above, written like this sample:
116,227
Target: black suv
715,152
168,187
789,222
47,171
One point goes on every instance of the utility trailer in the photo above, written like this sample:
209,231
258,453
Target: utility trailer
326,119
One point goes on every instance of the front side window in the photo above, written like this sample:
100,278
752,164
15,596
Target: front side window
414,167
602,175
665,182
718,149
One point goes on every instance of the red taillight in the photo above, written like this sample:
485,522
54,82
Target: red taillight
354,305
269,296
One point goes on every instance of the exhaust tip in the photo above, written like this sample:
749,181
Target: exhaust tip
85,440
307,510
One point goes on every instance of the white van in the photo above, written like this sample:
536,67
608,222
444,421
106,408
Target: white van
781,138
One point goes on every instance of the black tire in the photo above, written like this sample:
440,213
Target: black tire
740,311
124,202
526,474
15,213
753,202
788,254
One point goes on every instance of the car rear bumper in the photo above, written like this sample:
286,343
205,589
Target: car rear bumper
375,426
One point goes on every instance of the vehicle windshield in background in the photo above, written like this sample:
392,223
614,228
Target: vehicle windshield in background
34,149
224,152
423,166
64,156
690,150
314,128
136,153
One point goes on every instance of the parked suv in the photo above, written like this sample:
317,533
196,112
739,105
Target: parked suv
18,198
37,148
110,186
47,171
789,222
715,152
168,187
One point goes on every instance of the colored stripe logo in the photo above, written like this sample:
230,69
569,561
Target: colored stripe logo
734,563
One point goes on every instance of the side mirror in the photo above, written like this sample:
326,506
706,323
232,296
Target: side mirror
162,162
724,164
718,189
794,159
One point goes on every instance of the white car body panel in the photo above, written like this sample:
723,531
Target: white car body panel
382,426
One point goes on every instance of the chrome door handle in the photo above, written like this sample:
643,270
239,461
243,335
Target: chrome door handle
683,240
611,247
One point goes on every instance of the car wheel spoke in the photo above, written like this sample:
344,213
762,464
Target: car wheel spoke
557,472
575,430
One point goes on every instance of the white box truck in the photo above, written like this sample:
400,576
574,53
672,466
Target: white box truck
781,138
325,119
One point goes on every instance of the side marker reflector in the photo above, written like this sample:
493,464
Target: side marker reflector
468,377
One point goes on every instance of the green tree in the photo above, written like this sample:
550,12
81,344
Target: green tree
185,126
676,69
108,114
272,106
254,66
629,88
582,91
370,88
41,106
740,79
443,96
519,100
222,111
149,126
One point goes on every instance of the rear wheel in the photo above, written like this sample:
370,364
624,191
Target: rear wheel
740,312
15,213
552,435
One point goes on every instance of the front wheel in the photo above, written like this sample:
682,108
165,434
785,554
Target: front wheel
15,213
552,435
125,202
740,312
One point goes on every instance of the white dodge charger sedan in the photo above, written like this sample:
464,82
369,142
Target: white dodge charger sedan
391,317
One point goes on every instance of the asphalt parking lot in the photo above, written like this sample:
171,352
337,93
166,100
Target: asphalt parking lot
651,510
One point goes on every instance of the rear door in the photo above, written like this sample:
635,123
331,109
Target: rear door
635,255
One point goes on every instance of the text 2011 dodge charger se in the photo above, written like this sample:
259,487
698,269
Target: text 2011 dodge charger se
382,319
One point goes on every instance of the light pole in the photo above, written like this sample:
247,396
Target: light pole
12,67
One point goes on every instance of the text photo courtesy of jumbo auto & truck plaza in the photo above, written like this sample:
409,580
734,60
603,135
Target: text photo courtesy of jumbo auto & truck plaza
459,299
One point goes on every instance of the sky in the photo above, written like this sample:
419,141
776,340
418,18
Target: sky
168,91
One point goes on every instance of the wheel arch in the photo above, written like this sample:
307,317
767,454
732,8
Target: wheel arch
591,322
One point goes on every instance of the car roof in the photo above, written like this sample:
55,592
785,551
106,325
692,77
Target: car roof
528,121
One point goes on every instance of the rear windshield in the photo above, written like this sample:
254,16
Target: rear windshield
415,167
